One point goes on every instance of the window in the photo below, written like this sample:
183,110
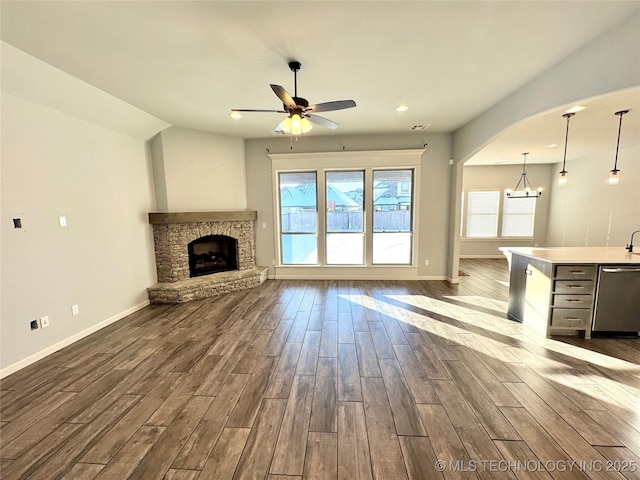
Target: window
392,225
346,210
517,216
344,202
298,218
482,214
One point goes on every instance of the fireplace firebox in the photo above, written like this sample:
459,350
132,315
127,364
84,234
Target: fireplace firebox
212,254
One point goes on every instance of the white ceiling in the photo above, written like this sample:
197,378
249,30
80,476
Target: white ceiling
190,63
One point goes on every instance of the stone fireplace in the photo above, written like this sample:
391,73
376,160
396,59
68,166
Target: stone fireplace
202,254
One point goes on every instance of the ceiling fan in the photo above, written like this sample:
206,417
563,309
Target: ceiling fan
300,114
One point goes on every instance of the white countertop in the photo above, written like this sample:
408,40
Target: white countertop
597,255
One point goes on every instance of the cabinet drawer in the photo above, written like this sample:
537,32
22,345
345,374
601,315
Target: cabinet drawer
579,272
570,317
573,286
572,301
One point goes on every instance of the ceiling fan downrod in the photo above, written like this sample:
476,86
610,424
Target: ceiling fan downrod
295,66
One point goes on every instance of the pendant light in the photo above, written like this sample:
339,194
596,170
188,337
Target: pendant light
614,175
527,191
563,178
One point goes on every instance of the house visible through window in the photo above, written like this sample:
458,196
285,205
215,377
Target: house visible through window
347,232
298,218
345,218
392,231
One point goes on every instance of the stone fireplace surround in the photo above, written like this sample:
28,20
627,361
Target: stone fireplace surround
172,232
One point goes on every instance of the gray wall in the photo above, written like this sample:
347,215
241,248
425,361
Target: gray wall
607,64
433,223
590,212
198,171
501,177
57,165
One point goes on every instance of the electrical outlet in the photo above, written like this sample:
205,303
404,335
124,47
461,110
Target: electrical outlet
75,310
33,324
426,262
44,321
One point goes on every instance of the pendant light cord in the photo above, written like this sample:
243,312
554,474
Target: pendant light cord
566,139
621,113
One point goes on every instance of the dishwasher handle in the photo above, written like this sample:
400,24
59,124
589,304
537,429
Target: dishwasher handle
620,270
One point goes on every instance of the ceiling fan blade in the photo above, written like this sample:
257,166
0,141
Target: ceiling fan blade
284,96
254,110
328,106
323,122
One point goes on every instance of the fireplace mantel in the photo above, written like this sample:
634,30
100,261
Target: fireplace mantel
191,217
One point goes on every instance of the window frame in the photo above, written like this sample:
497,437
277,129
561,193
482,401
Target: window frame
347,161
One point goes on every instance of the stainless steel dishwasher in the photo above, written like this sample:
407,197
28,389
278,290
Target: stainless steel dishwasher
617,306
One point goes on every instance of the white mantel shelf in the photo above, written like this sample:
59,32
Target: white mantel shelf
578,255
194,217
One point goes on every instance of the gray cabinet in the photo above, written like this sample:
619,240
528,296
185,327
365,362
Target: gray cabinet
551,299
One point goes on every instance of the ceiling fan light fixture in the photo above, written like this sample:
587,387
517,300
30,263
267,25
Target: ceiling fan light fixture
295,124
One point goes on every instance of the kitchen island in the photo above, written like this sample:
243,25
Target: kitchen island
560,291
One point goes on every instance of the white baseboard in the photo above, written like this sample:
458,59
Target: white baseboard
357,277
482,256
68,341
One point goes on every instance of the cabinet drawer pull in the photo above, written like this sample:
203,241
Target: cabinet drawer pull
577,272
575,286
528,272
572,318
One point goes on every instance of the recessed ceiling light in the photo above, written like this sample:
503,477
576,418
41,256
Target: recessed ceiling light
402,108
576,109
553,145
235,115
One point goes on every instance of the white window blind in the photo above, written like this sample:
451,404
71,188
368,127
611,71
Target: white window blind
482,214
518,215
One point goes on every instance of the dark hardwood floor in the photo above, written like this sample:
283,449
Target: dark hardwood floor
328,379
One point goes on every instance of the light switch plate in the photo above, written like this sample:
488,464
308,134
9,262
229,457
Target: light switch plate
62,221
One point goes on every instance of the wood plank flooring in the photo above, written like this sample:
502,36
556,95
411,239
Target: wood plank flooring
328,380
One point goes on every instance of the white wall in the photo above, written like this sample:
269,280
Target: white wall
588,212
432,225
56,165
502,177
198,171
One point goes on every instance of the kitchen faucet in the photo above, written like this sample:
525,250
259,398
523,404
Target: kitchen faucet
630,246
